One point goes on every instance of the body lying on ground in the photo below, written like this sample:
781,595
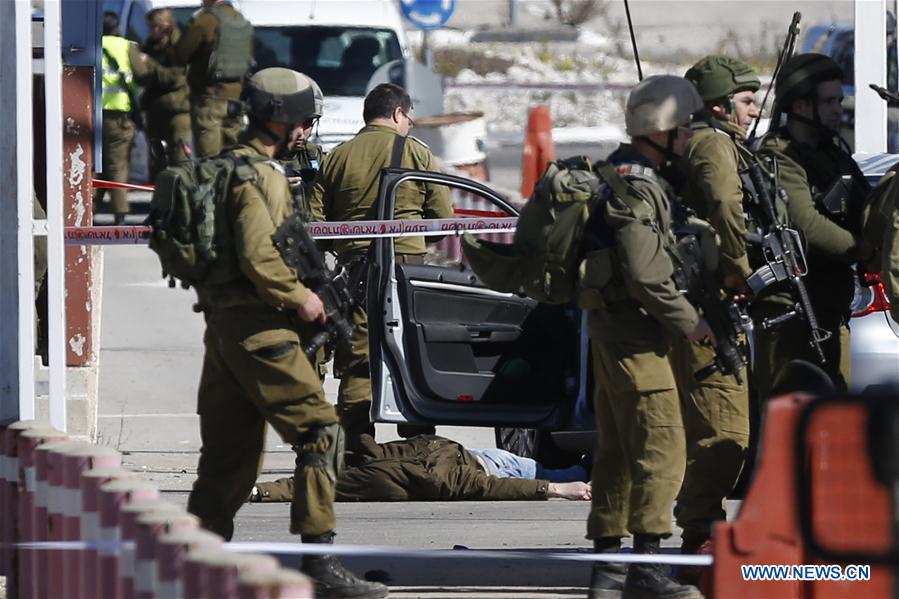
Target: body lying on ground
430,468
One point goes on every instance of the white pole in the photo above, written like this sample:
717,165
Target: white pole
870,67
16,222
56,260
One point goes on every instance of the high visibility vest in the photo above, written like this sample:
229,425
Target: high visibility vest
115,92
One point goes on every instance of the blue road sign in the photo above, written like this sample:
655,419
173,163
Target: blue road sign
428,14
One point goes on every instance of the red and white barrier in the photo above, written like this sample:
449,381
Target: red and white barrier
73,523
75,463
281,584
171,551
128,518
113,495
91,481
19,442
149,527
219,572
48,514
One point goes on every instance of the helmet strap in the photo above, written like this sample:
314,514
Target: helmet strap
668,149
278,139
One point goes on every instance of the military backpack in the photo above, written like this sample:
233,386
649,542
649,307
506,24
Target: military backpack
232,54
544,259
187,214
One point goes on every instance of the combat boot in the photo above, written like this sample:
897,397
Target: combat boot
332,580
651,581
607,578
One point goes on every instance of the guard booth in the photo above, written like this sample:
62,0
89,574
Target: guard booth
50,64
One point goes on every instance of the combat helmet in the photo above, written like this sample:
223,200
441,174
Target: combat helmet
800,76
660,103
282,95
717,76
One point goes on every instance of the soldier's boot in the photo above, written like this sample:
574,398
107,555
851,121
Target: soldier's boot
332,580
607,578
693,542
119,219
651,581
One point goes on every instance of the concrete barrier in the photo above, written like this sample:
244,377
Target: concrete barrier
281,584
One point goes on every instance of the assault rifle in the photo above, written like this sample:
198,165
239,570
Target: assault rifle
333,287
785,260
727,319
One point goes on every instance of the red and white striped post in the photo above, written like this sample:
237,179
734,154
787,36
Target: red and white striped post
91,481
151,526
281,584
171,550
113,495
48,517
9,485
57,513
220,572
128,518
13,491
75,463
27,443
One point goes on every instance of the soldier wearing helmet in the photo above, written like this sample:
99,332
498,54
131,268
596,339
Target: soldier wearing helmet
254,370
301,158
826,194
635,316
716,409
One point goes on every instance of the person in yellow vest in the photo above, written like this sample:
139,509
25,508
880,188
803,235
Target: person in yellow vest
119,94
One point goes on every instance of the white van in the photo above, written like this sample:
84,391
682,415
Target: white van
339,43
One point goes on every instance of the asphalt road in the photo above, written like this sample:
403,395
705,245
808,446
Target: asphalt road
150,358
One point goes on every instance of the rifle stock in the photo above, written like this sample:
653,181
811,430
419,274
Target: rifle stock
333,287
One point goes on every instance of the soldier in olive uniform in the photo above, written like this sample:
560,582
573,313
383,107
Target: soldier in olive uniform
346,189
826,193
635,315
166,97
716,409
119,95
254,370
429,468
302,159
217,47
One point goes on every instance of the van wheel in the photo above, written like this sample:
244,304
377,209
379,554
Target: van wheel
536,444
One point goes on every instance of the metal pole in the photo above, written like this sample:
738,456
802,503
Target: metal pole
870,67
513,13
56,260
16,205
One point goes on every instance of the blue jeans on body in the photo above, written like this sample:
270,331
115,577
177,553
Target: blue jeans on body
505,464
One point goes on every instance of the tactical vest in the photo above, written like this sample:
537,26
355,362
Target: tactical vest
232,54
116,81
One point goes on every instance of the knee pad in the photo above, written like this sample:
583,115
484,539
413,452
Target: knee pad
322,447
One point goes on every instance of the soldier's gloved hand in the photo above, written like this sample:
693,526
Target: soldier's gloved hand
313,310
702,331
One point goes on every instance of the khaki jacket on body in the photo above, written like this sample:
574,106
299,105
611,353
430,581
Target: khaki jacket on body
347,186
427,468
254,210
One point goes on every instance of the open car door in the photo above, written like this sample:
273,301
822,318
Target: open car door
445,349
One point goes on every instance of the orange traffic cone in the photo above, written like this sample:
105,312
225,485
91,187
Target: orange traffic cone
538,149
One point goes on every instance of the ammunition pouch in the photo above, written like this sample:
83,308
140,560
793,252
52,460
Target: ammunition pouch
835,200
311,453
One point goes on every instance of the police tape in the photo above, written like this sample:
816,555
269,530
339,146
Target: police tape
674,559
104,184
360,229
